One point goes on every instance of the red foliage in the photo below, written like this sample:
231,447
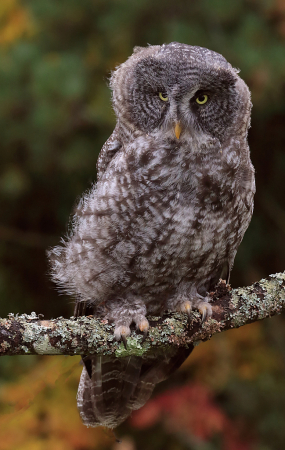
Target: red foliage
191,410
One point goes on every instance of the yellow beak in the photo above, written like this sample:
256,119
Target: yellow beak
177,130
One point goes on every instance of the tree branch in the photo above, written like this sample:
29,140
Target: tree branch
30,335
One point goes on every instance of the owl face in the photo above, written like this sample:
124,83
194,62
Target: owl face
178,88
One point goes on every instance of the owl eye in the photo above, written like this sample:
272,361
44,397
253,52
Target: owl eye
163,97
201,99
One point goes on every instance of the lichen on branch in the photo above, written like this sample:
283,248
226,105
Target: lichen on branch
232,308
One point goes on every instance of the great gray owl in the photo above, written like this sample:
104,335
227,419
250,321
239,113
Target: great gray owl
162,224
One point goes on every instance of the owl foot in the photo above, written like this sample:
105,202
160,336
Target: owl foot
121,333
143,326
186,307
205,309
198,303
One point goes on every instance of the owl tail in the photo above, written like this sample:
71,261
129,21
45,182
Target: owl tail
111,388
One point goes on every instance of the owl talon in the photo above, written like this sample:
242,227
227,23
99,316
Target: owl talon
189,314
121,333
124,340
143,325
186,307
145,333
206,310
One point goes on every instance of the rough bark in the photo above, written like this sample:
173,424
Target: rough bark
29,334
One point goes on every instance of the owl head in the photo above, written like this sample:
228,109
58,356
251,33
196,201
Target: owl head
180,89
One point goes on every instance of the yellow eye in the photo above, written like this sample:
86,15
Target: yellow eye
164,99
201,99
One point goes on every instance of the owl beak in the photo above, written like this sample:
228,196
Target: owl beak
177,130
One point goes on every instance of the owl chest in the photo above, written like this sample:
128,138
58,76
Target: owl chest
199,192
193,210
183,205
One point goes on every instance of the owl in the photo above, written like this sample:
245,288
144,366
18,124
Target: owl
173,199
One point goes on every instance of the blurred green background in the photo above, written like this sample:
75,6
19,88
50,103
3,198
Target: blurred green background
55,115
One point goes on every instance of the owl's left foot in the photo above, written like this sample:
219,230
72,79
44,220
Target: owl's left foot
186,307
198,303
206,310
143,325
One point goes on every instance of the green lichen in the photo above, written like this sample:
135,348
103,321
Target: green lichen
279,277
30,333
43,347
134,348
85,335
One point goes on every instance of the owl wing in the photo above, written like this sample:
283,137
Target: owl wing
108,151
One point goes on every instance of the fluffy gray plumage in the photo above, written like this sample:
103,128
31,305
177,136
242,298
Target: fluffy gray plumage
173,200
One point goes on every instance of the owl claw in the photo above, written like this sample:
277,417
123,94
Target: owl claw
143,326
187,308
145,333
121,333
124,340
206,310
189,314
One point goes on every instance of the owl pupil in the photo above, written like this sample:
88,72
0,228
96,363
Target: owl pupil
201,99
163,96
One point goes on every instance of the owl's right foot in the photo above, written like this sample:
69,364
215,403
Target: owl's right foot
186,307
122,332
